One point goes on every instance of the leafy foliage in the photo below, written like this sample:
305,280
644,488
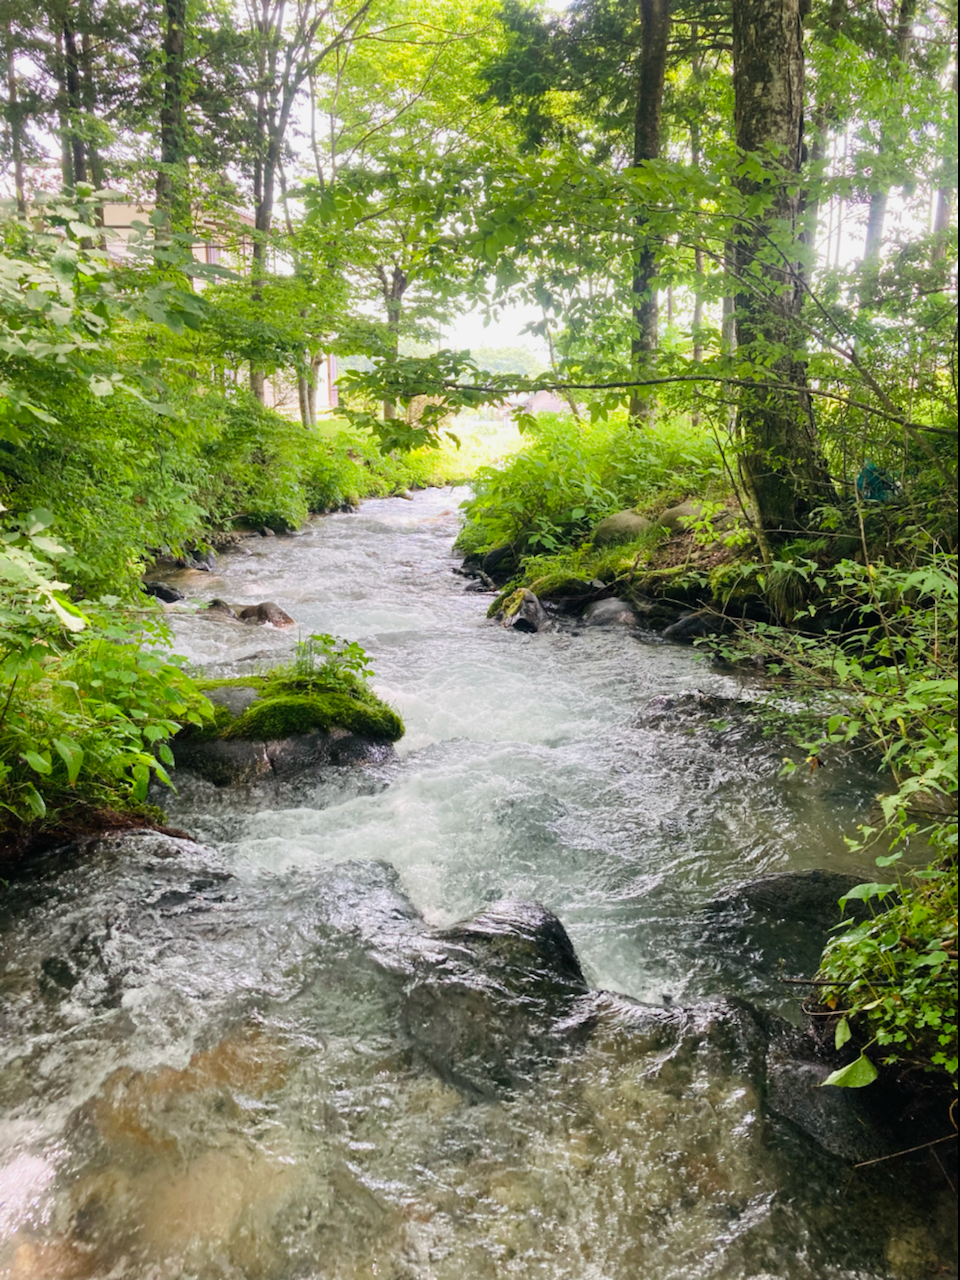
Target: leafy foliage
571,474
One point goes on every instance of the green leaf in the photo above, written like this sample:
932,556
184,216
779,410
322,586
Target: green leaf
69,614
72,755
854,1075
36,761
34,799
842,1033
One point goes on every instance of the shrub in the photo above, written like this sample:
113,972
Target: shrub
571,474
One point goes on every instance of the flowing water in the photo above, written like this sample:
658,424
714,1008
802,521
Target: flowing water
206,1071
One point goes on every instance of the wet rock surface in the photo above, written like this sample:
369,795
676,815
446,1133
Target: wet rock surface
696,626
163,591
525,613
490,996
240,762
609,613
474,1027
266,613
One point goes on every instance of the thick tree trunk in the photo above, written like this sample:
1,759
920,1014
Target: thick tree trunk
171,197
780,459
655,28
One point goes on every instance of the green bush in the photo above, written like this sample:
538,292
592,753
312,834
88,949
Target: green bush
571,474
86,709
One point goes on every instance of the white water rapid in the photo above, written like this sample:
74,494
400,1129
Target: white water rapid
206,1072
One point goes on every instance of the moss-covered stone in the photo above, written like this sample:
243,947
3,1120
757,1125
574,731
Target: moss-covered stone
287,715
290,704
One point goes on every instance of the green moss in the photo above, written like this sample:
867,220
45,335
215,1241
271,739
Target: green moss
288,714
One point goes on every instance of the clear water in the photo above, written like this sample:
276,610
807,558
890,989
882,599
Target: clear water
205,1071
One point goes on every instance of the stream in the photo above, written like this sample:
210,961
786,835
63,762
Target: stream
206,1070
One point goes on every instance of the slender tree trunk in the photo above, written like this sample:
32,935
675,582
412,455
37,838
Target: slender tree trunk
88,96
63,118
818,134
15,119
945,191
74,100
881,191
172,198
780,459
655,28
698,260
393,288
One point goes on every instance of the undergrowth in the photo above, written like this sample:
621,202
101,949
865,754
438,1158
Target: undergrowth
570,474
876,647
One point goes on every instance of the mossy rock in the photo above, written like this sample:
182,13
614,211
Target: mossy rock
624,526
284,723
287,715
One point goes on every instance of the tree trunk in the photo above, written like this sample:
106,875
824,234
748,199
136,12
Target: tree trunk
15,120
655,28
945,190
71,57
393,289
780,459
88,97
881,191
818,134
172,199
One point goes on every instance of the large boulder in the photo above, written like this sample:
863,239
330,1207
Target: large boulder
280,726
491,998
625,526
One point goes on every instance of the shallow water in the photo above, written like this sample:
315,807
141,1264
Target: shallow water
205,1071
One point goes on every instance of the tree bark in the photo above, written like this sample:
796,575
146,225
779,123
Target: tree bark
15,120
654,30
172,199
71,58
781,462
393,287
881,191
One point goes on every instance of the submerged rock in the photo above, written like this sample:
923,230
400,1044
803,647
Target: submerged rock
491,996
810,896
609,613
220,611
266,613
